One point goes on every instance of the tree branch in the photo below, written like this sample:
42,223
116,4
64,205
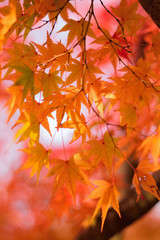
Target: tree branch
130,212
152,7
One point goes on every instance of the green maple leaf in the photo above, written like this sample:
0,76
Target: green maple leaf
26,79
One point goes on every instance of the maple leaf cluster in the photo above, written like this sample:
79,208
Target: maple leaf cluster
112,115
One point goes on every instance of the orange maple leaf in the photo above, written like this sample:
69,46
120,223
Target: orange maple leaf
109,46
151,144
77,29
15,102
130,87
128,115
94,90
54,53
107,194
142,178
78,123
128,16
67,172
104,149
6,21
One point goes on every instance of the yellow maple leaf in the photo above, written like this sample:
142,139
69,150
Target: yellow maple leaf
107,194
38,157
30,128
39,112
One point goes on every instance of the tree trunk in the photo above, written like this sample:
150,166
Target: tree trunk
152,7
130,212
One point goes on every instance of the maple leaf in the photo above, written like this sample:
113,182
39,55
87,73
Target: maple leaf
67,103
131,88
54,55
78,122
30,128
142,178
76,98
62,8
128,115
38,157
107,194
128,17
122,51
78,71
32,117
104,149
24,21
77,29
67,172
39,112
20,53
94,90
49,82
14,103
50,8
41,7
26,79
109,47
27,25
151,144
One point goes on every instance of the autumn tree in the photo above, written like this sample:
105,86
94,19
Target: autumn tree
66,66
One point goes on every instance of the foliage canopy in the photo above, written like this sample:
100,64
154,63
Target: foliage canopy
92,81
